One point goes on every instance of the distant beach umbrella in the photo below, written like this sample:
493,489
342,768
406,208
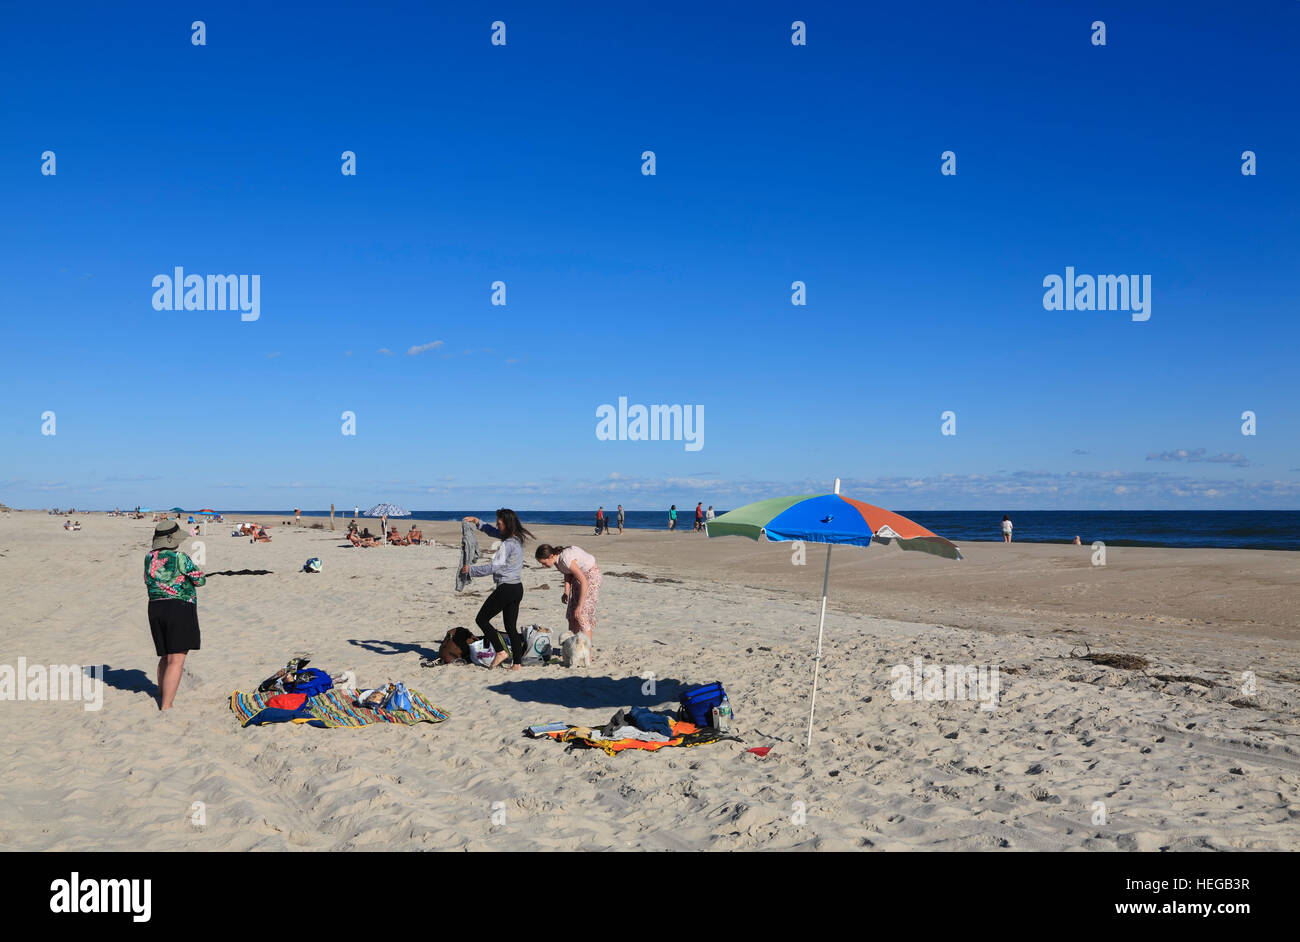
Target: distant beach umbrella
830,519
386,510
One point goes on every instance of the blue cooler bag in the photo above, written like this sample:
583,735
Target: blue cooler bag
697,703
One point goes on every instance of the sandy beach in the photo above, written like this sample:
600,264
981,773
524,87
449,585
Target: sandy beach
1195,750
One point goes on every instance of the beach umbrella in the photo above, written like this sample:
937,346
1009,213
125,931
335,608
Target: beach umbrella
387,510
827,518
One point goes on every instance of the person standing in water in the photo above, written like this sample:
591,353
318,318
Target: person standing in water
506,570
170,578
581,583
1006,529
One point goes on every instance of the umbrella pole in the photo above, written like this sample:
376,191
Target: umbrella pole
821,624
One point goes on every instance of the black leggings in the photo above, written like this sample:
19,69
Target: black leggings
505,599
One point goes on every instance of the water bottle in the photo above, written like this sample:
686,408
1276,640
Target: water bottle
722,716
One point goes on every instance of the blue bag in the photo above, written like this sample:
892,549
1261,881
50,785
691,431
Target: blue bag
399,699
310,681
697,703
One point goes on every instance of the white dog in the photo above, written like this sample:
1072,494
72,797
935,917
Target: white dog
575,650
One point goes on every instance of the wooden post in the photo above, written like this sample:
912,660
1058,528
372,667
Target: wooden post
331,516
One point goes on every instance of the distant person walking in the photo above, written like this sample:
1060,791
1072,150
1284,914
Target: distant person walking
1006,529
170,578
297,515
708,514
600,520
672,517
699,516
506,570
581,583
620,518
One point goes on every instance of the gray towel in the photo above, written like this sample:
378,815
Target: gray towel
468,552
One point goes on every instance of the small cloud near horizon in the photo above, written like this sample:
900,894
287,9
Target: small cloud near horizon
1198,454
416,351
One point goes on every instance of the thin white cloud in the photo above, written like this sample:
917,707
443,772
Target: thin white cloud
1198,454
416,351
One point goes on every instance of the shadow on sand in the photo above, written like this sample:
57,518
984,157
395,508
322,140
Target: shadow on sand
394,647
133,680
595,692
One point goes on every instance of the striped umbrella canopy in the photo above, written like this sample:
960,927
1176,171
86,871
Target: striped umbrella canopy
387,510
827,518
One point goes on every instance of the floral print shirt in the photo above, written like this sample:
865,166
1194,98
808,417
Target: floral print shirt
170,574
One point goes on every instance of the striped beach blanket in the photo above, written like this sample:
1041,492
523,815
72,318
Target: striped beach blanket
334,709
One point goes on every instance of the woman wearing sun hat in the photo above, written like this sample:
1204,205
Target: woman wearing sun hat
171,578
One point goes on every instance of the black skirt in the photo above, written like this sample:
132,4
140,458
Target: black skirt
175,626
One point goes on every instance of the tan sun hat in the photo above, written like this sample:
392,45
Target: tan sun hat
168,535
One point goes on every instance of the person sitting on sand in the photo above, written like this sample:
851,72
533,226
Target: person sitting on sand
581,583
170,577
67,524
262,535
365,541
414,536
394,536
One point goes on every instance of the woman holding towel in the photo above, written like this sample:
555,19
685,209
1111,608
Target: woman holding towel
506,570
581,583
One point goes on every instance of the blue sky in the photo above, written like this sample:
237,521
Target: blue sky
774,163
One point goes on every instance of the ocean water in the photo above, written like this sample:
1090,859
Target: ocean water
1232,529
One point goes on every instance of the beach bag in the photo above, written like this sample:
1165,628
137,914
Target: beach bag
481,653
310,681
537,645
398,698
697,703
312,565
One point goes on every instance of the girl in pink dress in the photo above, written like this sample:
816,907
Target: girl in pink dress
581,583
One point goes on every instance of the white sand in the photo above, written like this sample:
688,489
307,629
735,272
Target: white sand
1177,765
